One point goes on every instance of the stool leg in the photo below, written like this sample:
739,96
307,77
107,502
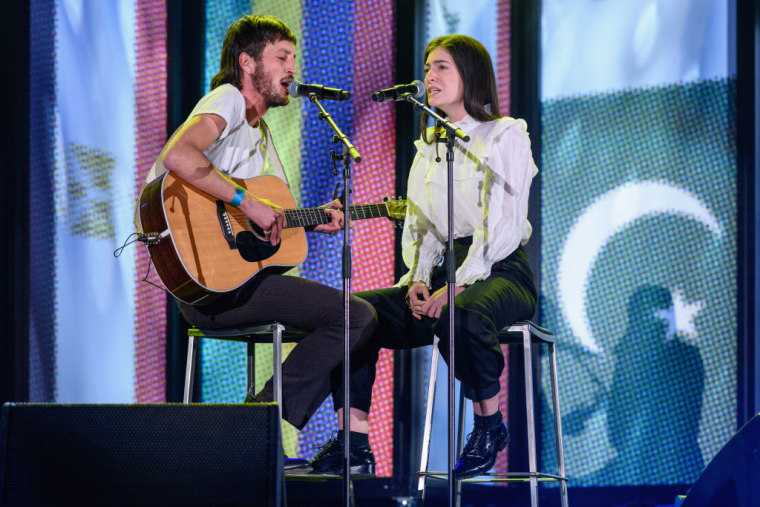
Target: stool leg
558,425
532,464
189,369
251,367
277,329
428,418
460,439
461,421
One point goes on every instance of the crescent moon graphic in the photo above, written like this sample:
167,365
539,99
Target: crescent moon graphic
604,218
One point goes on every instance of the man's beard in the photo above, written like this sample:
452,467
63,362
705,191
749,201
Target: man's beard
262,82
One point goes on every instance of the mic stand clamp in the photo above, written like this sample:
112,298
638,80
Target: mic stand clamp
348,147
451,129
349,153
452,133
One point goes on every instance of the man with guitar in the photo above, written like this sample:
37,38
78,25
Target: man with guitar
225,137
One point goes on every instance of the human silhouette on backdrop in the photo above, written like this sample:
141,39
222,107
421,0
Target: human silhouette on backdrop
655,399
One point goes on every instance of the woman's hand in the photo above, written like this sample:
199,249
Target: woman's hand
416,297
432,307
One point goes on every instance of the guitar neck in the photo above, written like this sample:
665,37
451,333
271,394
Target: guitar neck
308,217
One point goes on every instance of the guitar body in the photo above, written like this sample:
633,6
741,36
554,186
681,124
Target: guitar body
209,247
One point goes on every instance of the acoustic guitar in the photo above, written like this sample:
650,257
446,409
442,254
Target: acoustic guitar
203,247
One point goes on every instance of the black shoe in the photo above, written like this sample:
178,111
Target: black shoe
329,461
479,453
296,465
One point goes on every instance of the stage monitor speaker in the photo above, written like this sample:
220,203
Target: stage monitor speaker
732,479
54,454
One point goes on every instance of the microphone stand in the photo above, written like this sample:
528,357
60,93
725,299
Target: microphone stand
452,133
349,153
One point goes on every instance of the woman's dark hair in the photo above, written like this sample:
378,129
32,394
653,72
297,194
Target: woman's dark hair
249,34
474,65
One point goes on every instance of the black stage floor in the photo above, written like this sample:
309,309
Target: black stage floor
383,492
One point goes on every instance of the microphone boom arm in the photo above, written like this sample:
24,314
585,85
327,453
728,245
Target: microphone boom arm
452,130
340,136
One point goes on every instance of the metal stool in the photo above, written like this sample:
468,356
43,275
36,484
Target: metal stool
274,332
525,333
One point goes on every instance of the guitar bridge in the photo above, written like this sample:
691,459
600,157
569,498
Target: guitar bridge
226,225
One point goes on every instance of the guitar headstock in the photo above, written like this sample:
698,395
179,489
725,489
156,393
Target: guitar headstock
396,210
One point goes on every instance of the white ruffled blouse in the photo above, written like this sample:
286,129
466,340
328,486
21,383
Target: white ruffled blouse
492,177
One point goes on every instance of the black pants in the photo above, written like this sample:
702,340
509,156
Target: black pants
303,304
481,310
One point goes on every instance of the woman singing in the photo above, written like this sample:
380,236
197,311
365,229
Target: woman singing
494,284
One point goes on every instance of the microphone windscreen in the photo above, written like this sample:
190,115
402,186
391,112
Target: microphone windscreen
420,89
293,89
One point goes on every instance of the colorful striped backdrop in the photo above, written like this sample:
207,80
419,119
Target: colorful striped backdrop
348,45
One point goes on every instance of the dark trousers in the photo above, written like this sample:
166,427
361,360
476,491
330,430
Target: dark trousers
480,311
307,305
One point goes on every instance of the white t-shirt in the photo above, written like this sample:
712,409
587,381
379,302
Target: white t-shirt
241,151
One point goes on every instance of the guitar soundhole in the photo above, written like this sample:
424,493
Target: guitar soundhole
253,249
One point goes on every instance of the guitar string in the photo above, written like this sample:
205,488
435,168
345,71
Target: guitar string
301,217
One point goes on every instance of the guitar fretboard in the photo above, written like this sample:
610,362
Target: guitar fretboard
307,217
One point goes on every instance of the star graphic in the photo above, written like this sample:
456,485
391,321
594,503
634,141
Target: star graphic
680,316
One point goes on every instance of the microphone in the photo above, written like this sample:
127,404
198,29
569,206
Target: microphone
416,88
296,89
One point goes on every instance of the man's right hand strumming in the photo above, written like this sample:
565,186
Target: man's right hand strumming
266,215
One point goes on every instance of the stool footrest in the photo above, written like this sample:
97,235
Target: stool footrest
500,477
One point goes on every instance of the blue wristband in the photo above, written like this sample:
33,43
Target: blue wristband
239,194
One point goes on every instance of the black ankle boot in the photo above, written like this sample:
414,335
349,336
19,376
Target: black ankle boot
479,453
329,461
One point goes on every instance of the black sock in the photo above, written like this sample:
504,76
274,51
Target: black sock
488,421
357,439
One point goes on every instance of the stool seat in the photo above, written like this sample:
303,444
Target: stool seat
523,333
273,332
256,333
513,335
